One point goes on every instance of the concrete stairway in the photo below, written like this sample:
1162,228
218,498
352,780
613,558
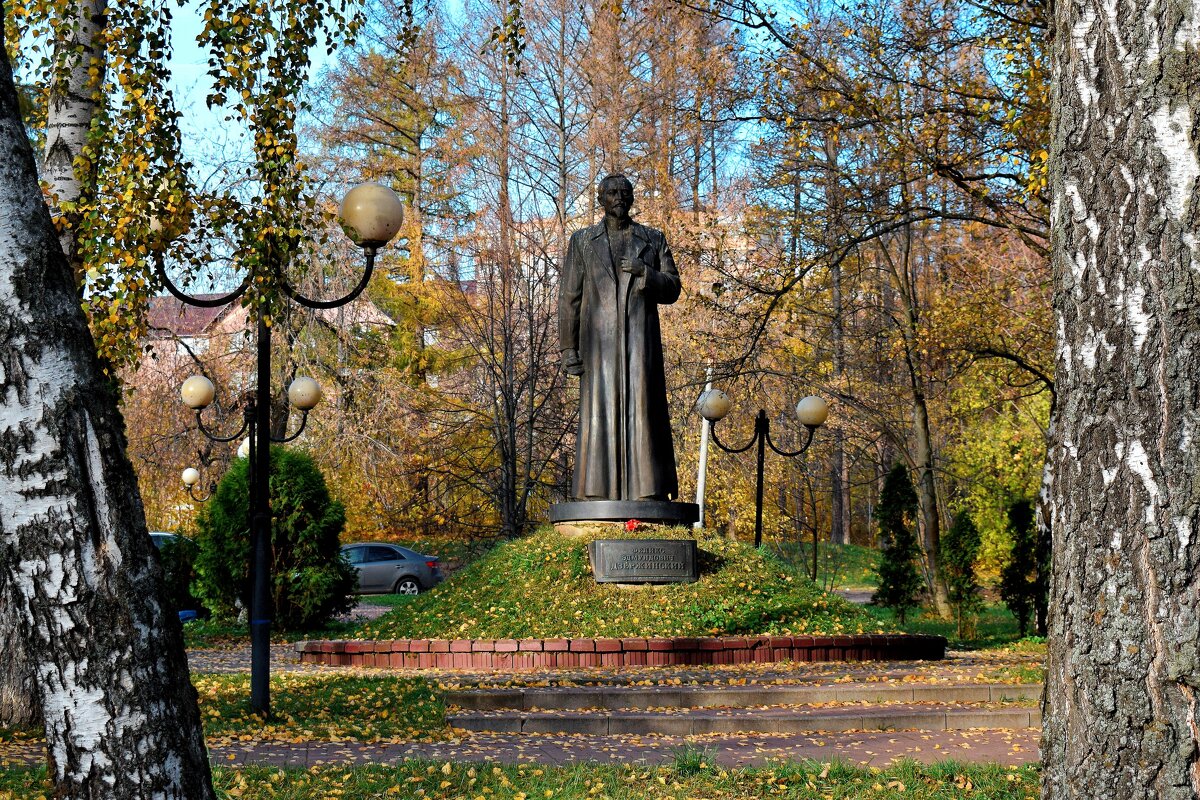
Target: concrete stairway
701,709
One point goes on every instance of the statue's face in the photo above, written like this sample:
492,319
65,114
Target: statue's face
616,197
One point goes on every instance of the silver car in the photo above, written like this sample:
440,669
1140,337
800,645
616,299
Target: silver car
390,568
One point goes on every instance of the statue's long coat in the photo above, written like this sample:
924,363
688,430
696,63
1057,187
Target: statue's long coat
624,449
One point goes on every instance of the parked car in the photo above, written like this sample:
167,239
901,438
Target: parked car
161,539
390,568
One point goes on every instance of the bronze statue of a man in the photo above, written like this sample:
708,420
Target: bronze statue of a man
614,277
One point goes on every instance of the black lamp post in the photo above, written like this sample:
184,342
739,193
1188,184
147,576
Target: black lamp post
715,404
372,215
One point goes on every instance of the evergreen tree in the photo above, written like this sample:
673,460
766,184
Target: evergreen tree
1041,599
960,548
1019,585
900,582
309,581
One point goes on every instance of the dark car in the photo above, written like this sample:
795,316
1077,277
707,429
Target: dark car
390,568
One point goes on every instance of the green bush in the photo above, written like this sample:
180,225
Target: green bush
900,581
177,557
1019,584
960,549
310,582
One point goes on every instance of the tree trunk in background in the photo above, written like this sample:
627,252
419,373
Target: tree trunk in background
121,714
1124,657
19,707
69,114
839,478
928,497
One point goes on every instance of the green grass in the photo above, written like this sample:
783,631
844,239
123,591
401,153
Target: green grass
839,566
454,550
682,779
215,634
212,633
326,707
542,586
996,627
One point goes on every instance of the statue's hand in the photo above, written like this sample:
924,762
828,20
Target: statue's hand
634,266
571,362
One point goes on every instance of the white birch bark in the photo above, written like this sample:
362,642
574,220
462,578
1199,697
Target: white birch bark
69,115
1124,665
121,716
71,107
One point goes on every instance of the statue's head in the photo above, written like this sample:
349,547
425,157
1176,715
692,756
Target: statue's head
615,195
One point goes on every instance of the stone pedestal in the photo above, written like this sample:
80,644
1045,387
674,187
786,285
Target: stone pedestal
644,560
656,512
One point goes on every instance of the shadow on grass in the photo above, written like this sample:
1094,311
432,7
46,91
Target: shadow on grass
996,628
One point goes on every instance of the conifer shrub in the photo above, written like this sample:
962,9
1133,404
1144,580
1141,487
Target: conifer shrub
310,582
177,557
960,549
900,581
1041,599
1019,584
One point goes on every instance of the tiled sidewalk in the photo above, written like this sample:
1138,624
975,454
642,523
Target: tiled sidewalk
875,748
1005,747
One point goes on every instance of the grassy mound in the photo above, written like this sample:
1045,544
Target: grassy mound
542,587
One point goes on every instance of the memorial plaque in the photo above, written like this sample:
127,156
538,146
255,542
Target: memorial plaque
644,560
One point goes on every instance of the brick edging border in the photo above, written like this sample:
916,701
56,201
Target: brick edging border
531,654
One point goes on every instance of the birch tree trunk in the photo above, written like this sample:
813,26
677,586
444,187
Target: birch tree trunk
19,708
121,716
71,108
69,114
1121,715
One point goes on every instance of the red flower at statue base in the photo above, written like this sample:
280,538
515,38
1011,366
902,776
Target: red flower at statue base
632,525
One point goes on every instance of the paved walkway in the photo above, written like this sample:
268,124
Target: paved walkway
875,748
1006,747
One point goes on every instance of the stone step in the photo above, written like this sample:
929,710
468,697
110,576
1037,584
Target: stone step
779,719
642,697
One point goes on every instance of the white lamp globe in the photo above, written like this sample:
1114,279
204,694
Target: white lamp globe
371,214
304,393
812,411
243,450
197,392
191,476
713,405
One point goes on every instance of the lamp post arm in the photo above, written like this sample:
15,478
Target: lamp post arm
308,302
300,430
189,300
213,437
212,488
712,428
812,429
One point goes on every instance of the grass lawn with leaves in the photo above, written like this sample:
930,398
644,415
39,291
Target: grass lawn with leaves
212,633
325,707
839,566
996,627
317,707
691,775
542,586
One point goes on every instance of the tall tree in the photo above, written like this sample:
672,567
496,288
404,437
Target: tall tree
121,714
80,61
1124,656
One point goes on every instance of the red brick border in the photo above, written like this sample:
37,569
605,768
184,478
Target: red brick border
529,654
